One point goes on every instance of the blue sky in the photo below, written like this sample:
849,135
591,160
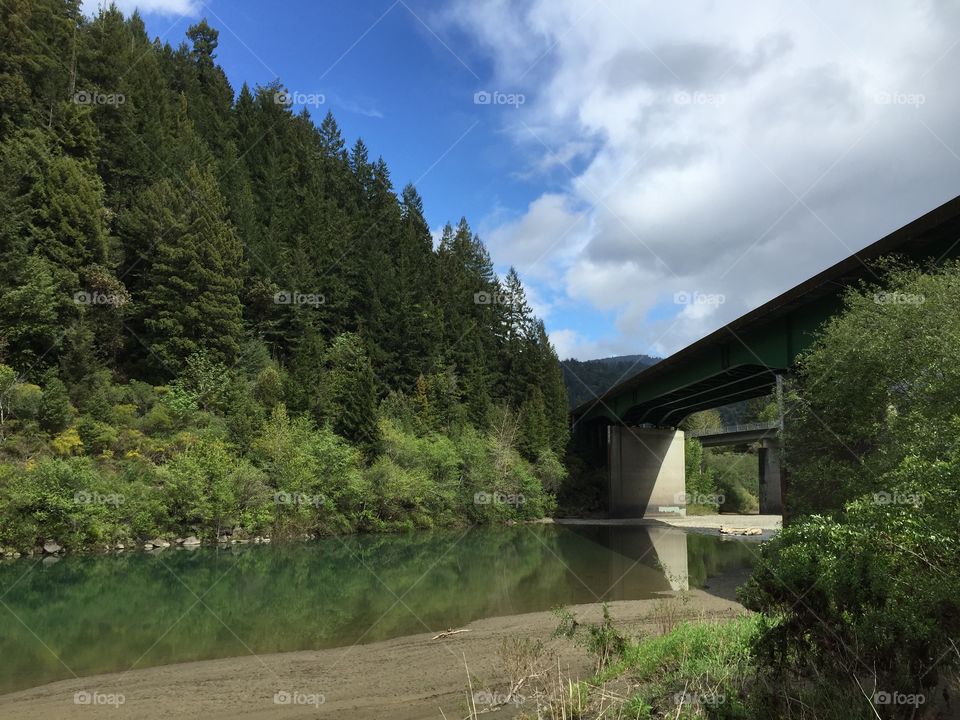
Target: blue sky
652,171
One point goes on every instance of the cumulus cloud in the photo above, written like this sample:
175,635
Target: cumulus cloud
725,150
158,7
545,233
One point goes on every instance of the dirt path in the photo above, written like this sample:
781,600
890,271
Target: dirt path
403,679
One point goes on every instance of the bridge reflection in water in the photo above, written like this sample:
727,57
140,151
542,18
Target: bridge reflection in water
645,561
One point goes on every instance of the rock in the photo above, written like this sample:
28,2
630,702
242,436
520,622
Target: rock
120,546
192,540
178,541
148,546
159,543
224,539
265,540
51,547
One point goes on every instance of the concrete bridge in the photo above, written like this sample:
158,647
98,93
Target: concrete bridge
633,426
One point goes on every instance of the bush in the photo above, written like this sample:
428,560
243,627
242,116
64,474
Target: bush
867,593
208,490
68,443
52,499
98,437
880,588
316,471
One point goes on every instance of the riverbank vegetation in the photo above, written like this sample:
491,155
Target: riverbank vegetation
216,316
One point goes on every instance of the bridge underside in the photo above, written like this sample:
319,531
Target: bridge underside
728,386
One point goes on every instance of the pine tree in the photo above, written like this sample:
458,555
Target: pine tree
550,378
352,391
191,301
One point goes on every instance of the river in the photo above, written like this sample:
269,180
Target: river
88,614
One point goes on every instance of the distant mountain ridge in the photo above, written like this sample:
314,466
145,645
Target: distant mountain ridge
587,379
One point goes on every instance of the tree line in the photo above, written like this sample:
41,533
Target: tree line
160,230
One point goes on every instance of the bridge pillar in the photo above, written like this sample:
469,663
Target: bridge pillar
646,469
770,454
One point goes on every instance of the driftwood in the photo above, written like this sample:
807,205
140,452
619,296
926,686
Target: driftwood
724,530
449,632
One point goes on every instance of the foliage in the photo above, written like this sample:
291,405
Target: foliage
601,639
867,591
208,297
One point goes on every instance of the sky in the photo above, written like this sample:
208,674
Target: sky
652,170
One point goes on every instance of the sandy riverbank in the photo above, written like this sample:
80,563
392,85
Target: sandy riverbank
706,524
402,679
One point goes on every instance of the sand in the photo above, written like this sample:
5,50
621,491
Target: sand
406,678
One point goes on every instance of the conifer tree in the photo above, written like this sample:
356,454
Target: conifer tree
191,300
351,391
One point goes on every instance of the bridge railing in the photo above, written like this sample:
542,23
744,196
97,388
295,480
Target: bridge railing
729,429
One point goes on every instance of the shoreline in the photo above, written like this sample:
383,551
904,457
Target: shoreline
703,524
426,675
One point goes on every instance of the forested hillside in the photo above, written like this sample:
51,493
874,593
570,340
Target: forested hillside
207,299
589,379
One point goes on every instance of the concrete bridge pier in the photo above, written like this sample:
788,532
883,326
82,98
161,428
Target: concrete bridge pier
772,476
646,471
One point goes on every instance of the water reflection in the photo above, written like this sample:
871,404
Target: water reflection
110,613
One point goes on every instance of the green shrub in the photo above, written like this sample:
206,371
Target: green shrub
65,500
868,592
98,437
316,472
198,491
736,476
26,401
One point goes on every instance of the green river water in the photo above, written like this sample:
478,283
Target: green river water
87,614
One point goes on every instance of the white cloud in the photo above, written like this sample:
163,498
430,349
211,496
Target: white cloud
158,7
548,229
730,150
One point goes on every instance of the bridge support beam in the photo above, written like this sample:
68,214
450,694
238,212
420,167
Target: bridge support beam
646,470
770,457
